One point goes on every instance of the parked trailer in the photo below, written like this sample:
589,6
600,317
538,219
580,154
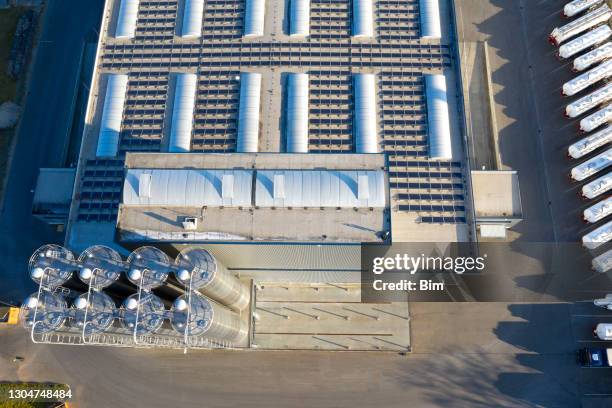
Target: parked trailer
591,77
592,166
603,264
603,331
595,357
601,53
578,6
598,211
597,187
605,302
580,25
588,102
595,120
590,143
598,236
588,40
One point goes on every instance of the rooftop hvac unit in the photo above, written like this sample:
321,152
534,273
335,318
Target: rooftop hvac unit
590,143
193,315
52,265
598,237
93,312
597,187
143,315
100,266
591,58
199,270
43,312
148,267
598,211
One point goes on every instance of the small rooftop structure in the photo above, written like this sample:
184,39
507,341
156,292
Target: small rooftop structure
53,195
497,201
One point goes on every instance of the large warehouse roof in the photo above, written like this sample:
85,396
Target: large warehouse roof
110,125
314,188
182,113
126,20
188,188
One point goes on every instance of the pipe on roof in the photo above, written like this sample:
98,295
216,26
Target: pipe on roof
363,18
112,115
182,113
297,113
192,19
365,113
248,112
438,120
254,18
429,10
126,21
299,24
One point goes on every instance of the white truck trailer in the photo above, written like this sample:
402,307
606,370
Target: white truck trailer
590,20
603,264
590,143
597,187
601,53
598,211
588,78
597,119
588,40
592,166
578,6
598,236
590,101
603,331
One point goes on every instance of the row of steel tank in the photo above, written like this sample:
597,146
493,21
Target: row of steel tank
194,296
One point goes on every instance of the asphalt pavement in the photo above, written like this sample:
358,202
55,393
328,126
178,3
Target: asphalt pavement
43,134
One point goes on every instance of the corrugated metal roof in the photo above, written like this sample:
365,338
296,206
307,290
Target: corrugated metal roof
438,118
112,115
254,18
188,188
182,113
297,113
192,19
363,18
299,24
126,21
365,113
248,112
429,11
319,188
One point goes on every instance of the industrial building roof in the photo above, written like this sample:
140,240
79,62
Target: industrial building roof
238,64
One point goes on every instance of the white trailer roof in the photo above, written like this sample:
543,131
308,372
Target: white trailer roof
299,18
297,113
595,120
603,263
182,113
438,119
192,19
363,18
592,166
598,211
592,57
592,76
254,17
112,115
320,188
365,113
429,10
248,112
581,24
589,101
578,6
598,237
596,36
126,20
590,143
598,186
187,188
